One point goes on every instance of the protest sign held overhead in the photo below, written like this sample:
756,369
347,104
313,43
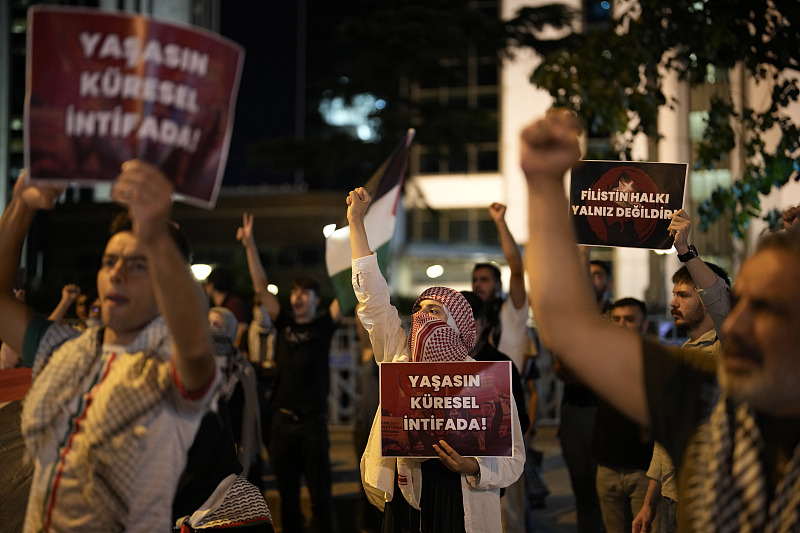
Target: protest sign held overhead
466,404
626,203
103,88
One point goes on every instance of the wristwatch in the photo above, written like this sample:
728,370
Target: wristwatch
691,254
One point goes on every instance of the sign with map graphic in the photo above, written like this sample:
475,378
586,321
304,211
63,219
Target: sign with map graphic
467,404
626,203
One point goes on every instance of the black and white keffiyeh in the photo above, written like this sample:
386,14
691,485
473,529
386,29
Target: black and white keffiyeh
137,386
729,492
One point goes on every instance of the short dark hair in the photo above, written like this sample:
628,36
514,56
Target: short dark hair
631,302
308,283
476,303
788,241
682,275
122,222
605,265
493,268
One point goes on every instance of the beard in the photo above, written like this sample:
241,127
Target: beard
754,383
691,319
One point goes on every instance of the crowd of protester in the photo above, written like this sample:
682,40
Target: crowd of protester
158,402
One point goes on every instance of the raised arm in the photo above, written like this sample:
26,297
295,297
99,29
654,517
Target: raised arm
69,293
713,290
357,202
679,227
376,313
147,193
516,284
257,273
14,225
604,357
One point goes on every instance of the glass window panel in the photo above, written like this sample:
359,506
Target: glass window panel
430,229
459,231
428,162
456,74
487,232
457,161
489,8
458,101
488,160
489,101
488,74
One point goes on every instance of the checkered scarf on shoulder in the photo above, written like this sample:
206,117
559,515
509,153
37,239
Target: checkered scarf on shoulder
114,426
230,362
729,494
433,340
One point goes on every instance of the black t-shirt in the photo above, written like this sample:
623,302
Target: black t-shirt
617,440
302,356
490,353
681,393
211,459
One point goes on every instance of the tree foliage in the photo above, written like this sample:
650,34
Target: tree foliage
380,47
609,74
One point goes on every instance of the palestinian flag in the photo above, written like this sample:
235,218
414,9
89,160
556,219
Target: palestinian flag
384,187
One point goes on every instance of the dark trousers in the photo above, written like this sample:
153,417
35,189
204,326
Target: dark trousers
575,432
299,447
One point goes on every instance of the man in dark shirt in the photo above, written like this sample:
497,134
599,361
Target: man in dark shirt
735,444
483,351
299,440
621,454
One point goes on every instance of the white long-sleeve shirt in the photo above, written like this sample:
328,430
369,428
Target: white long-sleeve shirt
480,493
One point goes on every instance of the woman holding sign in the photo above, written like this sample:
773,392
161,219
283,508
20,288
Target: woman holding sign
455,494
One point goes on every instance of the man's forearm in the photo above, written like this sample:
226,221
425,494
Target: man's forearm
702,276
257,273
14,226
600,354
516,287
184,307
259,278
509,246
559,287
60,311
603,356
359,244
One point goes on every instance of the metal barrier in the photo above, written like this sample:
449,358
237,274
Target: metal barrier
345,367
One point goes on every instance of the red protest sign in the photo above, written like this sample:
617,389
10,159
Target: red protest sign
626,203
103,88
467,404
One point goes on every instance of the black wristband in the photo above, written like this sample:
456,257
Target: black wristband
691,254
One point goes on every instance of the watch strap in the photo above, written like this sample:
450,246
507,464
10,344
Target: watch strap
691,254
